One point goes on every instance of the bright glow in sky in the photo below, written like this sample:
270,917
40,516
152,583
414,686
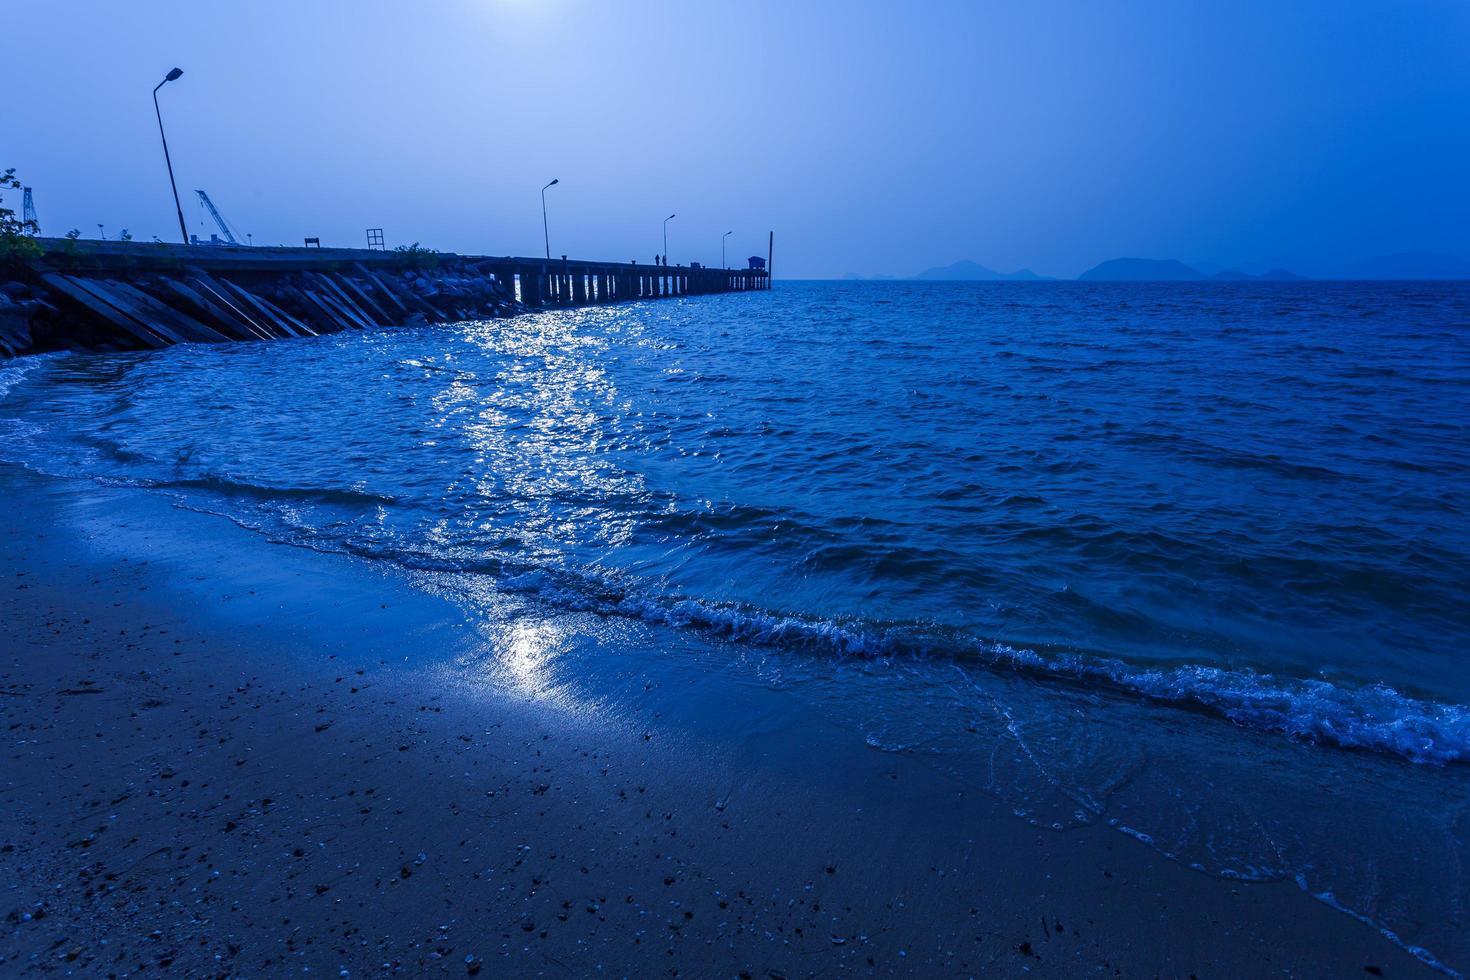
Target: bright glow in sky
872,137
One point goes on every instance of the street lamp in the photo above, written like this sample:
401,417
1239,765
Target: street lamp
723,263
666,237
172,75
546,234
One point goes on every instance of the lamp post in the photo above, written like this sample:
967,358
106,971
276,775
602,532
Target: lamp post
666,237
172,75
723,263
546,234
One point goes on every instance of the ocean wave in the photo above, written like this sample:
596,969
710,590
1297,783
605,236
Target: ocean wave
1374,718
12,372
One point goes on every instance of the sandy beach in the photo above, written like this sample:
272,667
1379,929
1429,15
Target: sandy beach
229,757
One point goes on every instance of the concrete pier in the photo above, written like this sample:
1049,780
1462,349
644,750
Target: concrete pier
567,282
128,295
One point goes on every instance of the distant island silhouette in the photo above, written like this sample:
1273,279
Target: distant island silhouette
1408,265
1399,265
965,270
1171,270
1141,270
1395,266
961,271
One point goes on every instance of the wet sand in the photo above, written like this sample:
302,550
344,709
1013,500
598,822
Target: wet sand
228,757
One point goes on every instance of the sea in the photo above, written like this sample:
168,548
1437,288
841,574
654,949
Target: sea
1186,560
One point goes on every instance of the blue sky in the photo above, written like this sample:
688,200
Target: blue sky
872,137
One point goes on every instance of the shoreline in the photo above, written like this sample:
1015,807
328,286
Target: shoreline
168,674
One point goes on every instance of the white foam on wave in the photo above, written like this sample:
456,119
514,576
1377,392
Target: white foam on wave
1418,952
14,430
11,372
1376,717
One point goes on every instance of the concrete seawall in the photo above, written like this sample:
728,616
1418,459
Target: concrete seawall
132,295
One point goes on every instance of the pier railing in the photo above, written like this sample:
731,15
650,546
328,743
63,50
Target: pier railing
570,282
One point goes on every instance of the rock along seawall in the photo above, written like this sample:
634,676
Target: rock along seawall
93,295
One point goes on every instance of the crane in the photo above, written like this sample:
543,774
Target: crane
218,218
28,212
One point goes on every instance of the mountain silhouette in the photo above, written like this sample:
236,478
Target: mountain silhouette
1172,270
962,271
975,272
1141,270
1270,275
1408,265
1399,265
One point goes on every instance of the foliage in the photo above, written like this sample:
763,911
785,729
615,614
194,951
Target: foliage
419,257
74,234
126,236
16,241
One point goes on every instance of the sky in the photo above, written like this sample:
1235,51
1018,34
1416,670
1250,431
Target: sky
871,137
